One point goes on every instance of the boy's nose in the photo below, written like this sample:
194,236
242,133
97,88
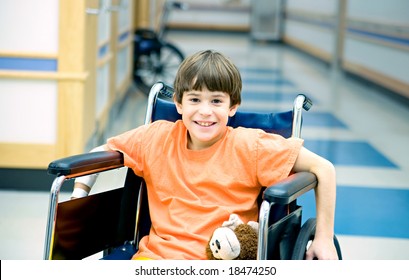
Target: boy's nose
205,109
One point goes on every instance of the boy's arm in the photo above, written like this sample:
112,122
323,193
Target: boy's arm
322,246
83,185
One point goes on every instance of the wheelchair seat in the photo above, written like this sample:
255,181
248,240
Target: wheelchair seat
114,221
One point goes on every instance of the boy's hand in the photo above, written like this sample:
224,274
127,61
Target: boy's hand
322,249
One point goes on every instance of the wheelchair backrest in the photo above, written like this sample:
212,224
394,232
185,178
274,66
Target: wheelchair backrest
278,123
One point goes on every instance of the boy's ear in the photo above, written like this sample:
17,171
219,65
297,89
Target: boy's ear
178,105
233,110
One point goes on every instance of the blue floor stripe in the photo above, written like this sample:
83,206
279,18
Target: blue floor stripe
272,71
375,212
315,119
268,82
322,119
272,94
350,153
268,96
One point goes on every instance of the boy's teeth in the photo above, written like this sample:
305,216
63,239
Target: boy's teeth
204,123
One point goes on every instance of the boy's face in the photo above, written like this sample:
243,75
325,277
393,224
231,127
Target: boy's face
205,114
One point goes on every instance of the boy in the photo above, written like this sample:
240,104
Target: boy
198,170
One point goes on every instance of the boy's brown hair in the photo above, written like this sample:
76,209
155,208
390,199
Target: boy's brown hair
208,69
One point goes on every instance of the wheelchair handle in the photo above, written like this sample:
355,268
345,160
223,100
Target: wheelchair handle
167,91
156,89
179,5
300,102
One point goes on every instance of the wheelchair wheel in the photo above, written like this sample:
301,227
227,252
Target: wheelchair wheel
158,65
305,237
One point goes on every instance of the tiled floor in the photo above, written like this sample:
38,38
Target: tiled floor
362,131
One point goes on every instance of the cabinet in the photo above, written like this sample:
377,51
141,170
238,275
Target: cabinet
60,77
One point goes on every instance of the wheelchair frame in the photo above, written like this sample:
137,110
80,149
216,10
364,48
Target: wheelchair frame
284,193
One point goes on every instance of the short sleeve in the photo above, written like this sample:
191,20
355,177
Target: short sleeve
276,157
130,144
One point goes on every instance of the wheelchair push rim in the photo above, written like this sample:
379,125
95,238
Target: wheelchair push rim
157,66
305,237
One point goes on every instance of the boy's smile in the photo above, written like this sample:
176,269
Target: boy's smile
205,114
206,124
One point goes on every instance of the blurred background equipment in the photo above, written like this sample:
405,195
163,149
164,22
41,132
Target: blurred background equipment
266,19
156,59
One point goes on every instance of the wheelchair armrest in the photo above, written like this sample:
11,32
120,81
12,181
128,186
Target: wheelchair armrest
84,164
290,188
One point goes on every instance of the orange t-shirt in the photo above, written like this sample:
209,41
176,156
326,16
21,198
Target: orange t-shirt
192,192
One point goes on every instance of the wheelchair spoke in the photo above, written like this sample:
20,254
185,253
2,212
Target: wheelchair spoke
157,66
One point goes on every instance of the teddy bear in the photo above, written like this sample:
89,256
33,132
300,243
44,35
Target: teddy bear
234,240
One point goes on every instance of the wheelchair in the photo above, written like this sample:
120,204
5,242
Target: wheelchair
153,57
113,222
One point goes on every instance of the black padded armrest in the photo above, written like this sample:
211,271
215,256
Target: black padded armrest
291,188
84,164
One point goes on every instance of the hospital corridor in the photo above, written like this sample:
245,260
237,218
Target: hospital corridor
358,123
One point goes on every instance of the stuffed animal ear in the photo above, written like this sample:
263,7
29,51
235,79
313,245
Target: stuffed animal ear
233,222
254,225
247,237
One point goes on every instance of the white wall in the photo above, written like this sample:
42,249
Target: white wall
316,6
374,37
28,29
28,111
219,14
29,26
377,41
311,25
390,11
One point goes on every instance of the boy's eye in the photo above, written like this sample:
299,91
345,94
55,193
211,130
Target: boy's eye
217,101
194,100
